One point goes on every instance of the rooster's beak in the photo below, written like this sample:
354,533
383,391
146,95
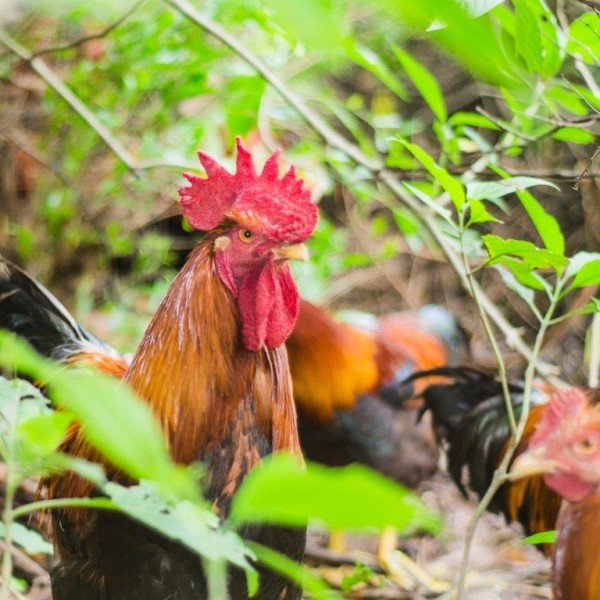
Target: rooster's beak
293,252
532,462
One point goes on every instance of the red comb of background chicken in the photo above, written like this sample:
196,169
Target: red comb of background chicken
283,205
563,407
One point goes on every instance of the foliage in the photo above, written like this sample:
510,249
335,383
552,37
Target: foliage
371,117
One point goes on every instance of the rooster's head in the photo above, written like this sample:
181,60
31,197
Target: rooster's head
261,221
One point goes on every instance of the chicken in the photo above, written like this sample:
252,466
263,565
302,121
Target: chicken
348,387
213,368
469,416
565,448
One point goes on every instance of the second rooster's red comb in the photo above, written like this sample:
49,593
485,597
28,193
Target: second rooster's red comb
283,205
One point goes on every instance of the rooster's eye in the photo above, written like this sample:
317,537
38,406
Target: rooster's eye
246,235
585,445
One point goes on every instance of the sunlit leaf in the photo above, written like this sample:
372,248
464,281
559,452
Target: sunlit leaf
196,527
584,38
478,213
577,135
425,83
30,540
106,408
530,255
372,62
449,183
545,537
528,35
318,24
587,274
281,491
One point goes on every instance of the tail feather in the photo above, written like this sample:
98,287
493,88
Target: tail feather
32,312
469,416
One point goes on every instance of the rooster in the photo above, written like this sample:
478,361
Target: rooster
469,415
213,367
348,387
565,449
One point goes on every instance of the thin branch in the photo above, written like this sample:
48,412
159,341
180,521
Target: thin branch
594,370
42,69
93,36
375,166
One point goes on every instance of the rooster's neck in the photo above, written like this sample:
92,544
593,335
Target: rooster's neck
208,391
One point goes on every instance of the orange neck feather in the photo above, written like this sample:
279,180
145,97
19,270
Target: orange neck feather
212,396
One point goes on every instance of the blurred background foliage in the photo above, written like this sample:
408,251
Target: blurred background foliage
477,84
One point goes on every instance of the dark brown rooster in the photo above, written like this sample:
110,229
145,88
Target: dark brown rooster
213,368
348,387
565,449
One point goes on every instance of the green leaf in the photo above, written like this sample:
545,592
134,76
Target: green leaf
450,184
546,225
318,24
44,433
545,537
106,408
191,524
472,119
575,135
485,190
354,497
425,82
478,213
453,27
368,59
30,540
584,38
530,255
528,35
587,274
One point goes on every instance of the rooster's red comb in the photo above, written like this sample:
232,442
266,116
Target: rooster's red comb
563,406
282,206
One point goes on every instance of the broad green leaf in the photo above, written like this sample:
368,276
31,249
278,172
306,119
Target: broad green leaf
528,35
478,212
368,59
30,540
195,526
575,135
568,99
587,274
584,38
546,224
317,24
476,8
472,119
449,183
530,255
354,497
453,28
512,283
522,273
106,409
545,537
44,433
424,81
428,201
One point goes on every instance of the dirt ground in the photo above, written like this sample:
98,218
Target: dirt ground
501,566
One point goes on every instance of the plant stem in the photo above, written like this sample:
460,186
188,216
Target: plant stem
216,578
25,509
8,520
500,475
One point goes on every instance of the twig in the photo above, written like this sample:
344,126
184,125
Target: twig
375,166
595,4
589,164
93,36
40,67
594,370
